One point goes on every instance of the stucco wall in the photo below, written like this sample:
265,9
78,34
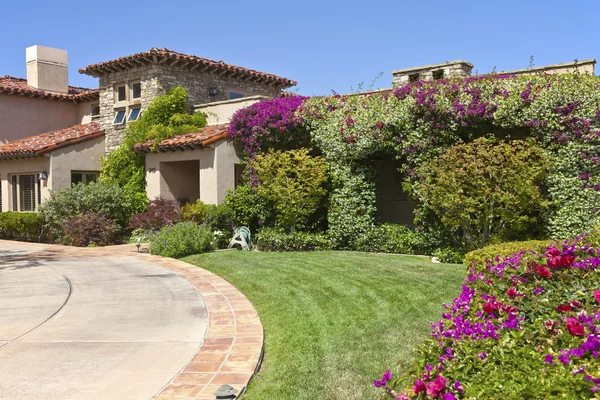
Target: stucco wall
221,112
216,174
23,116
157,79
58,164
79,157
23,166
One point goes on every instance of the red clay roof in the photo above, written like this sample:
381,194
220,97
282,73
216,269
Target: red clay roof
206,136
19,86
46,142
156,55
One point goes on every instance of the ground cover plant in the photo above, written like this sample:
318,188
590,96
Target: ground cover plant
332,318
524,326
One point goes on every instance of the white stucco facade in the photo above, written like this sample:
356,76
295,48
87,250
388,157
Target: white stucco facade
186,176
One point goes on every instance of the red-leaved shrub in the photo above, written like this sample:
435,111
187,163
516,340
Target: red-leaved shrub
160,212
91,229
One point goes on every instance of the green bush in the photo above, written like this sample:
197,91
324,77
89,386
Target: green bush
276,239
182,239
96,197
293,183
486,190
497,252
22,226
247,207
390,238
448,255
217,217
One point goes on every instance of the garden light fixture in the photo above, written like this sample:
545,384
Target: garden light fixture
225,392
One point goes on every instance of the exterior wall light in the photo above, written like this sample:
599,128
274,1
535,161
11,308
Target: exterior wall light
225,392
212,91
43,176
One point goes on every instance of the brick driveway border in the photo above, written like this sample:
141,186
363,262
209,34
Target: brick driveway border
232,349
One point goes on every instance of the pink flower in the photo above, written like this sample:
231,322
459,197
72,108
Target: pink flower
597,295
564,308
436,386
419,386
575,327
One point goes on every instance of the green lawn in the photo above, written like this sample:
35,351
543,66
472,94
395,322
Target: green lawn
334,321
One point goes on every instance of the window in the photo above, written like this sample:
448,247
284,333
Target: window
84,177
26,194
134,114
413,78
95,110
136,90
438,74
234,95
119,117
121,93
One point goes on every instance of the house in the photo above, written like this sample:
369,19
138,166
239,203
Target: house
65,142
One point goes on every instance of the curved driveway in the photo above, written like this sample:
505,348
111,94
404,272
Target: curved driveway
93,328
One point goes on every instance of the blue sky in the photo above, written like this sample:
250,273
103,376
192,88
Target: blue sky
324,45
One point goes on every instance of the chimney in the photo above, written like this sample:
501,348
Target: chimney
47,69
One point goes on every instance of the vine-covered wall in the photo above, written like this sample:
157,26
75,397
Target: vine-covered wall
416,123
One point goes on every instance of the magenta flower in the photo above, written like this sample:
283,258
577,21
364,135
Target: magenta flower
419,386
387,376
597,295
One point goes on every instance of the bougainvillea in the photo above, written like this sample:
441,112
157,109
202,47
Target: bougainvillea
417,122
535,314
269,124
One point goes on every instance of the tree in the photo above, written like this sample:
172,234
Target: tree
293,183
485,189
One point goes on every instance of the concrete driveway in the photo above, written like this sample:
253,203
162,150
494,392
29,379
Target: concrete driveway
115,327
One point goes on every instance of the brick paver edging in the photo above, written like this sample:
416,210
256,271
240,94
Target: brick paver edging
232,349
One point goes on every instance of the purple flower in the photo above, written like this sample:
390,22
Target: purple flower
384,379
564,358
549,358
459,387
482,356
538,290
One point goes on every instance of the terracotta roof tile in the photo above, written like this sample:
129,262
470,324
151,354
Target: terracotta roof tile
19,86
156,55
206,136
46,142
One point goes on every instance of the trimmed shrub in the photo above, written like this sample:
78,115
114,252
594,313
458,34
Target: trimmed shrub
534,314
21,226
293,183
486,190
96,197
448,255
247,207
91,229
182,239
478,259
160,212
390,238
274,239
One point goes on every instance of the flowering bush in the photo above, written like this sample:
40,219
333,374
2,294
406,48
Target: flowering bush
269,124
524,326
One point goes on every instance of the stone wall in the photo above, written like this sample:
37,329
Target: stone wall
452,69
157,79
